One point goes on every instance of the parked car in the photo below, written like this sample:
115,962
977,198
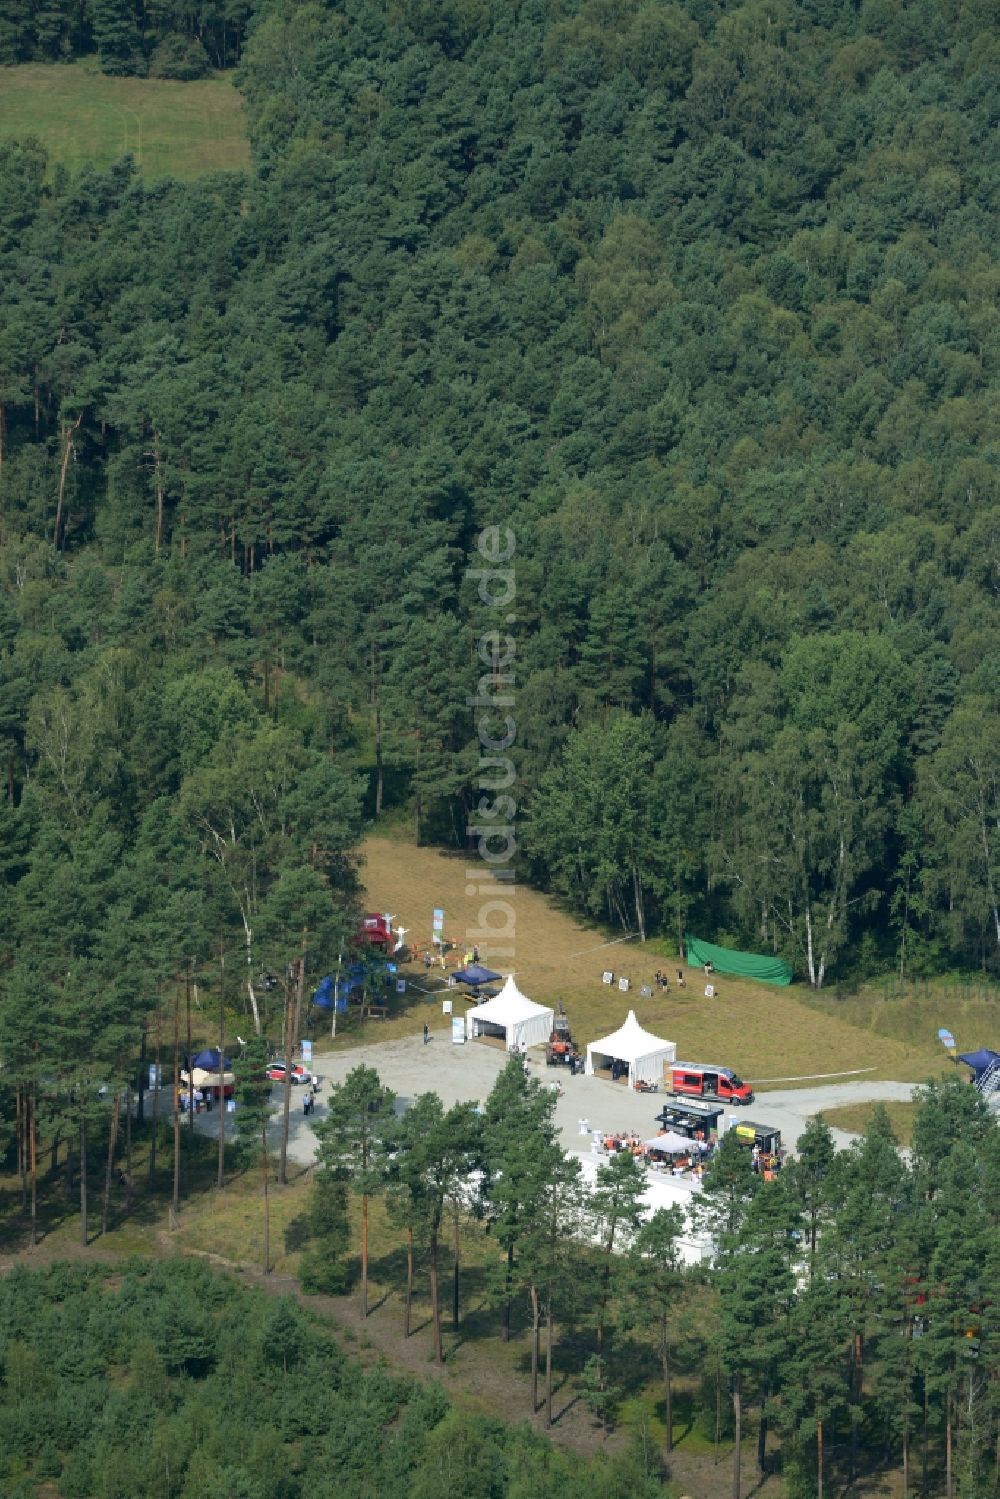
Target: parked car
276,1072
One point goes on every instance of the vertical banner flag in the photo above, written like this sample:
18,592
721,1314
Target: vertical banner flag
458,1030
307,1051
438,927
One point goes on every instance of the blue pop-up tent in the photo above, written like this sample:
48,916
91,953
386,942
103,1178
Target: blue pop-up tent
475,975
352,978
980,1060
211,1060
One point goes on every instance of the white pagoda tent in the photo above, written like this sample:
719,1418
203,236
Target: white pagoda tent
512,1015
645,1054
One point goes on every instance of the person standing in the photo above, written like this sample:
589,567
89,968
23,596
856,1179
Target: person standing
427,1033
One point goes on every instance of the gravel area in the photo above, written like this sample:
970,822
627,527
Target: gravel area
468,1072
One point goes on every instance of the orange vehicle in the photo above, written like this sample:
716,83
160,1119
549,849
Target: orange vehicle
560,1051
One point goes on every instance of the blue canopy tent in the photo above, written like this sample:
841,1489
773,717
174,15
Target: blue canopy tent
476,975
980,1060
210,1072
328,990
353,977
211,1060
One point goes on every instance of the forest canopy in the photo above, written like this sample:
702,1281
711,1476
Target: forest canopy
699,300
214,1388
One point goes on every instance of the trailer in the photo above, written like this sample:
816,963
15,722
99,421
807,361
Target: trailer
766,1139
696,1121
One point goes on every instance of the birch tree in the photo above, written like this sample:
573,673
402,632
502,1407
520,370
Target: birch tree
807,795
959,792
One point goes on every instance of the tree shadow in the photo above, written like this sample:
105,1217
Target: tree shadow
557,1416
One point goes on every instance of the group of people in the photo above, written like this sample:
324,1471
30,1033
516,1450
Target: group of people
435,955
520,1049
766,1163
662,982
201,1098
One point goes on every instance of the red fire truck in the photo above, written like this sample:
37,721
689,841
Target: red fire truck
705,1080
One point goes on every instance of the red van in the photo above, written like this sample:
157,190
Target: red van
703,1080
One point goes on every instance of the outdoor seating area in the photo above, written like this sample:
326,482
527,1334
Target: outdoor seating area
666,1152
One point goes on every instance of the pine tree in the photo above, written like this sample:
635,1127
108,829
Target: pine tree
814,1389
756,1287
116,32
654,1283
322,1267
434,1154
957,1297
552,1260
810,1178
614,1213
253,1111
522,1150
359,1118
867,1190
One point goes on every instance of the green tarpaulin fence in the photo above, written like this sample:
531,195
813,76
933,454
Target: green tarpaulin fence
748,965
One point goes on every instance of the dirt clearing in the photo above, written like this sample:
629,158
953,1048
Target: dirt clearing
762,1032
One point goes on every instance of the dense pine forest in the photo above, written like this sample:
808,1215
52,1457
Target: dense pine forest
219,1390
697,300
624,371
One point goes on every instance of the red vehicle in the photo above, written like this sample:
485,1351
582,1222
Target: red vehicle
375,930
704,1080
276,1072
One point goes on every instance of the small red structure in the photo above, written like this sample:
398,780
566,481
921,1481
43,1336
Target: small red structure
375,930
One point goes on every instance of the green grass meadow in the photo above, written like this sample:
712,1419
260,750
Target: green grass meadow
84,118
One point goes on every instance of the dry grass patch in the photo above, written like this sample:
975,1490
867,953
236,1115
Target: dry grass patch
968,1007
230,1224
763,1032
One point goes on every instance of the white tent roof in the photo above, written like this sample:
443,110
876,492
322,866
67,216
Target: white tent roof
645,1053
520,1017
672,1143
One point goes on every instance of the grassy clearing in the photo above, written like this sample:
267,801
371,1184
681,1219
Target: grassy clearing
968,1007
227,1224
763,1032
856,1117
86,119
